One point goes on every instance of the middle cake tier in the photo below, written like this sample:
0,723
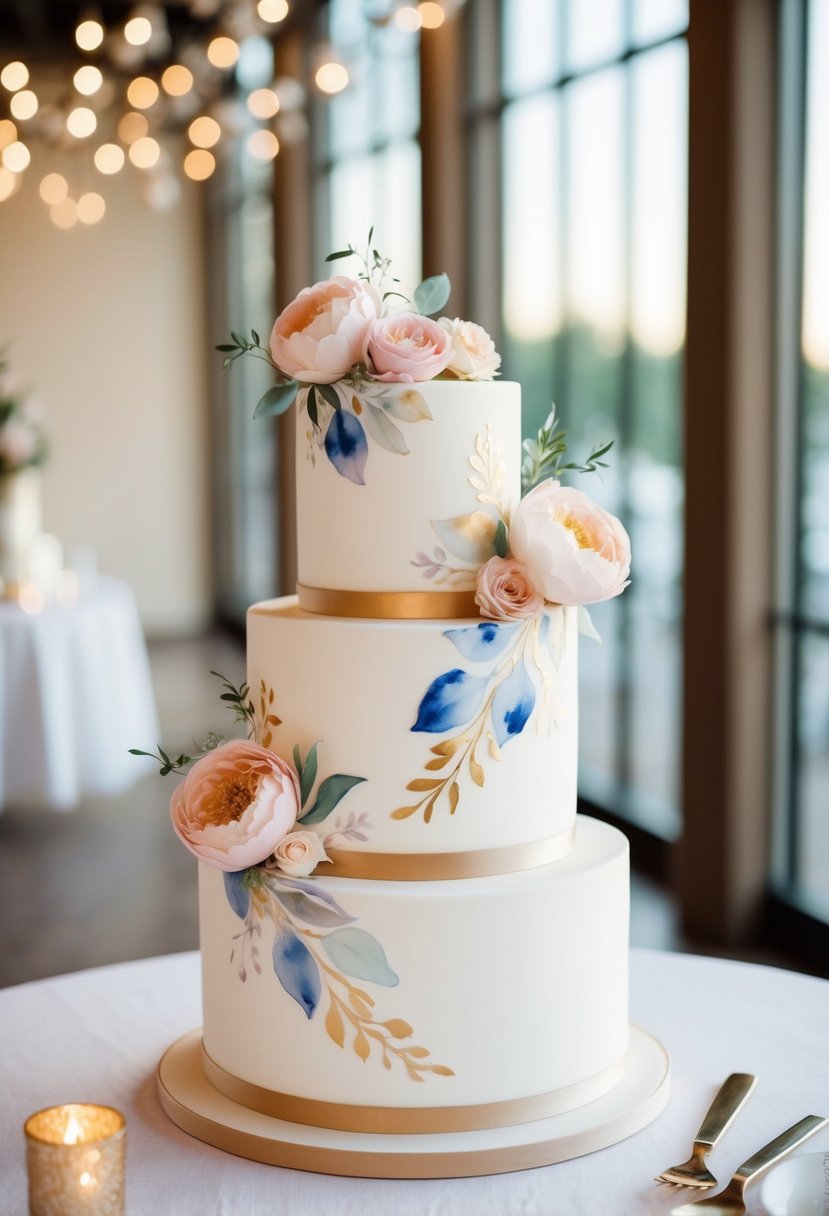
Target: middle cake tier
428,749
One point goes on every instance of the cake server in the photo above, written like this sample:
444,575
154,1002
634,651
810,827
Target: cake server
731,1201
729,1101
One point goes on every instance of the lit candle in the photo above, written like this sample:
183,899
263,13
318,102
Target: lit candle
75,1159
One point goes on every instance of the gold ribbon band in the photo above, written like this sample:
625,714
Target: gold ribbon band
388,605
426,867
409,1120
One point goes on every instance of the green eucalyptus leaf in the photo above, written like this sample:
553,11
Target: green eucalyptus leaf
238,339
431,296
341,253
227,346
311,406
309,774
501,541
329,395
332,790
277,399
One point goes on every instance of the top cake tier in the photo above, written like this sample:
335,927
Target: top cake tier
399,491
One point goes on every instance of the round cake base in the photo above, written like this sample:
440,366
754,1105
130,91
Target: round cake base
197,1108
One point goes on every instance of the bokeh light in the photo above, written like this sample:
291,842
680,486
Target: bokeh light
263,145
81,122
109,159
91,208
144,153
88,79
89,35
54,188
14,76
204,131
142,93
263,103
177,80
222,52
198,164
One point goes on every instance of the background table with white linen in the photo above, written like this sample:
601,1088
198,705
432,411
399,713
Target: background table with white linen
75,695
97,1036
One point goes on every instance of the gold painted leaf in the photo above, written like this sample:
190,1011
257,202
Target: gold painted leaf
364,996
361,1046
413,1073
438,762
272,720
404,812
441,1070
494,749
430,806
419,1053
270,696
448,747
454,796
475,771
359,1006
386,1062
424,783
267,739
398,1028
334,1025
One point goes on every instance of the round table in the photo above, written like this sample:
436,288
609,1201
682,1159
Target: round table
75,695
97,1036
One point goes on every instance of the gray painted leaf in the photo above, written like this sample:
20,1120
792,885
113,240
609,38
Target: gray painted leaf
359,955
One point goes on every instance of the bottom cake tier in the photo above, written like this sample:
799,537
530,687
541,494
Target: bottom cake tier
419,1006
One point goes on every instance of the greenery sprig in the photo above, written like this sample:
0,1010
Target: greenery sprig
236,698
544,456
429,297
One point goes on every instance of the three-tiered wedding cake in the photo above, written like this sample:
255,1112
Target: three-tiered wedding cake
405,927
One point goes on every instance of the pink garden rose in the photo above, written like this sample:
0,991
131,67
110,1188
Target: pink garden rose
235,805
574,550
506,592
474,356
406,348
298,854
320,336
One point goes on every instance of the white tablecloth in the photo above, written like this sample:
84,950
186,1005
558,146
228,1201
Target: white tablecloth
75,695
97,1036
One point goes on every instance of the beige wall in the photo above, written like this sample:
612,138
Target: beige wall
108,326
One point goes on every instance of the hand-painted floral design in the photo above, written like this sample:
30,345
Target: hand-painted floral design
494,703
317,951
345,415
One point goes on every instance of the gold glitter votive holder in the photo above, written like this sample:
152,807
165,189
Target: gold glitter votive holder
75,1160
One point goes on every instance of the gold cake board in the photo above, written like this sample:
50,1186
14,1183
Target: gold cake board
192,1103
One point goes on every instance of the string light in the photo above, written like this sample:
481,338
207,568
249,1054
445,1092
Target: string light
272,10
89,35
138,31
331,77
8,133
24,104
222,52
16,157
8,183
263,145
15,75
91,208
198,164
204,132
263,103
64,214
132,127
54,188
81,122
142,93
177,80
144,153
88,79
408,19
109,159
432,14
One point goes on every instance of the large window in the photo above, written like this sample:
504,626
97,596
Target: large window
802,695
587,114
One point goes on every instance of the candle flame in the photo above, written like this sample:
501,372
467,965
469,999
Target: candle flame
73,1131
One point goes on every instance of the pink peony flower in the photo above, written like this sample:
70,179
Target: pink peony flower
505,590
319,337
474,356
406,348
298,854
574,550
235,805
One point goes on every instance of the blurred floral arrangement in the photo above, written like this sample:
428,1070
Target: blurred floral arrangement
23,442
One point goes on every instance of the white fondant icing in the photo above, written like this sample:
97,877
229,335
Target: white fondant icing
517,983
365,537
356,686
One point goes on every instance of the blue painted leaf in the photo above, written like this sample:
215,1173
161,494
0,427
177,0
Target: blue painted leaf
308,775
481,642
544,627
346,446
238,895
296,970
358,954
315,889
512,705
451,700
302,906
332,790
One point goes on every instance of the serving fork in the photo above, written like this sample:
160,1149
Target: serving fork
729,1101
731,1201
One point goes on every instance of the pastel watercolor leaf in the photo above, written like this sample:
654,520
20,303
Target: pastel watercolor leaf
237,892
315,889
330,793
431,295
586,625
308,774
408,406
478,643
383,430
512,705
296,970
470,537
346,446
543,628
313,913
358,954
276,400
451,700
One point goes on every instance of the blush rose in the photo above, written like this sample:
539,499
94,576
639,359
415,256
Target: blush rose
298,854
235,805
505,591
319,337
406,348
574,550
474,356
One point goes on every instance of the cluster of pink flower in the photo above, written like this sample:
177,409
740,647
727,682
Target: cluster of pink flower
335,325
